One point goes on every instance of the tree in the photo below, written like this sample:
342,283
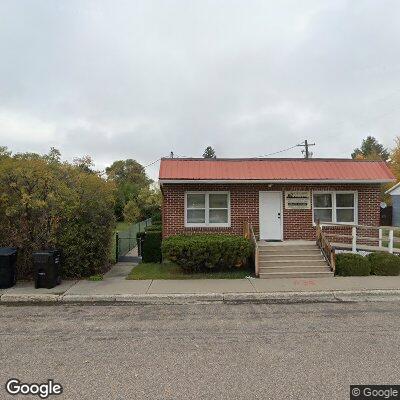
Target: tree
54,155
131,211
84,163
209,152
4,152
395,158
370,149
46,204
130,177
149,201
128,171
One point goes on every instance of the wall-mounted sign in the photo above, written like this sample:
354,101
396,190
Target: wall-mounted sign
296,200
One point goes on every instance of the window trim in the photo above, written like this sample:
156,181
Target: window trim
208,224
334,208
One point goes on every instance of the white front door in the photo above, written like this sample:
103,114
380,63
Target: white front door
270,213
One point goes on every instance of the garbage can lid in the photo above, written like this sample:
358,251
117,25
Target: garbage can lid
7,251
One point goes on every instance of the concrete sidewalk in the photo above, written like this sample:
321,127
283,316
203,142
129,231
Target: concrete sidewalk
115,288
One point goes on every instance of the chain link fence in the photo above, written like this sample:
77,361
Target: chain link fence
125,240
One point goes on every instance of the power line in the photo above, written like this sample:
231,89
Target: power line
280,151
153,162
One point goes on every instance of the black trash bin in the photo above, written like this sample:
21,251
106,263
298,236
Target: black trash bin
8,261
47,267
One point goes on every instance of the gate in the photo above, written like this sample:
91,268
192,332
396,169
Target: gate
386,216
125,241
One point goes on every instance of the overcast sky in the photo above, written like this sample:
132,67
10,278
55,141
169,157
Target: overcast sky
137,79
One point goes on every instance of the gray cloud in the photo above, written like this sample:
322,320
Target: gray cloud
118,79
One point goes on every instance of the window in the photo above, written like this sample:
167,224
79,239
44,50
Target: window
207,209
335,207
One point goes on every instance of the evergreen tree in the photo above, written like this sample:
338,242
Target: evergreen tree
209,152
370,149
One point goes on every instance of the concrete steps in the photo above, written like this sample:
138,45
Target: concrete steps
291,260
289,251
273,275
295,261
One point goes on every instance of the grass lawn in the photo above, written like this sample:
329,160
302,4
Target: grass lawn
173,271
396,234
95,278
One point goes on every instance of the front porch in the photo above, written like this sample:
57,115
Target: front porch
307,258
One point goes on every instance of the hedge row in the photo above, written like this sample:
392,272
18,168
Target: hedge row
151,250
195,253
150,243
348,264
46,204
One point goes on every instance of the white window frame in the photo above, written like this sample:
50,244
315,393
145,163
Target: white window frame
208,224
333,193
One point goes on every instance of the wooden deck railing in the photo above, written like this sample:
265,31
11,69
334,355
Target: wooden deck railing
248,232
326,248
385,236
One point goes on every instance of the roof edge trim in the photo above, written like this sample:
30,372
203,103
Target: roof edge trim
275,181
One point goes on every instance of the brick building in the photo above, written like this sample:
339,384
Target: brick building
281,198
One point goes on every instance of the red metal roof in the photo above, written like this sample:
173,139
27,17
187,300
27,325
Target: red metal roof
295,169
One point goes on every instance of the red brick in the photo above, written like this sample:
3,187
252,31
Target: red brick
297,224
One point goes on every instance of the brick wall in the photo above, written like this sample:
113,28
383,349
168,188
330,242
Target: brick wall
297,224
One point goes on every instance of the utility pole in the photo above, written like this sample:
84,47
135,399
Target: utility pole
306,145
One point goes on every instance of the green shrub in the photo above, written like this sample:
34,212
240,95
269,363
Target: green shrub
384,264
140,235
156,218
207,252
151,250
153,227
348,264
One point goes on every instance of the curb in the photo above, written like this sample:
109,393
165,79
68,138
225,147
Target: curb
280,298
29,298
143,299
355,296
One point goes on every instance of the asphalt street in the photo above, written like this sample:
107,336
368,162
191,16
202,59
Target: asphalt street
299,351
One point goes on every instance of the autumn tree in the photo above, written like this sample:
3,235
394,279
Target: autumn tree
131,212
84,163
48,204
4,152
130,177
149,199
394,161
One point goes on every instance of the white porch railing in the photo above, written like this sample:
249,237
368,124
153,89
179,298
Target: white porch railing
385,235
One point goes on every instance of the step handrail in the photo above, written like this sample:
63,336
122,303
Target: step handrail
256,260
326,248
249,233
